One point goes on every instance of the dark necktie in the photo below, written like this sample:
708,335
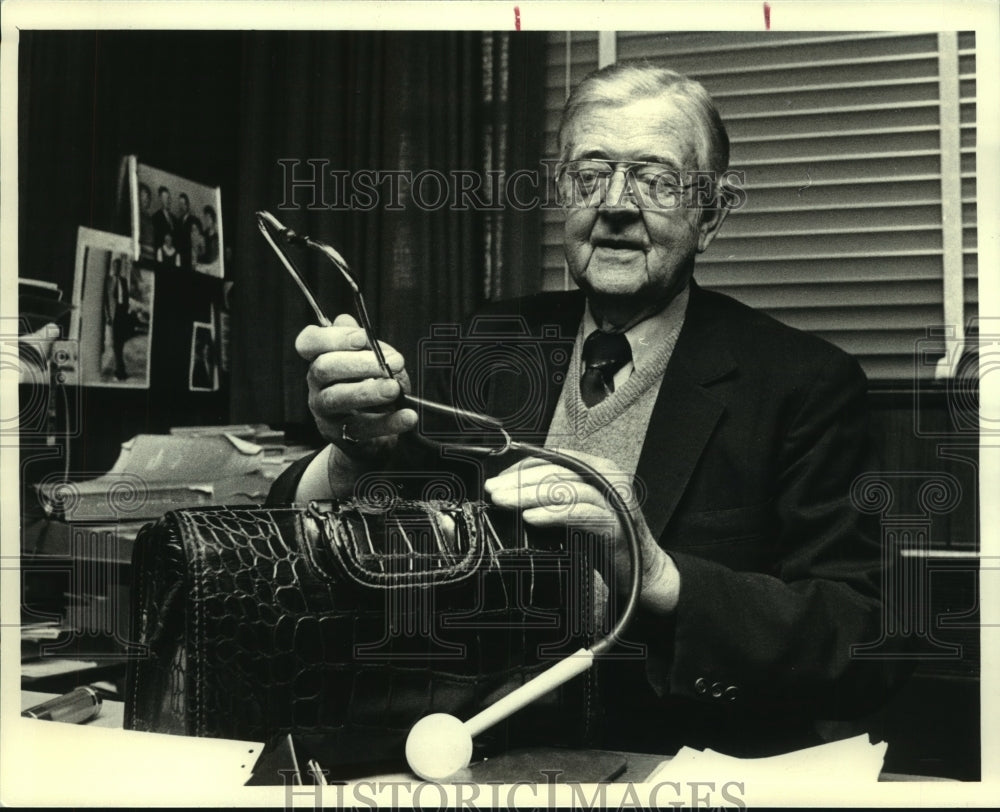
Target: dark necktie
603,355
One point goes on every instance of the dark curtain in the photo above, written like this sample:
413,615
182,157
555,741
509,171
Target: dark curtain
85,99
377,101
223,108
514,65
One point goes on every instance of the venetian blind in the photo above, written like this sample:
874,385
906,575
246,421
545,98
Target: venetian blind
859,154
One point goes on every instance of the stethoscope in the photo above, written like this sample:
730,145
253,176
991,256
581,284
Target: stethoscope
439,745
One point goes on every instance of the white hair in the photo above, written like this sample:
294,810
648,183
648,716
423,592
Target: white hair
624,82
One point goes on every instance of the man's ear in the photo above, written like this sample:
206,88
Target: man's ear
712,218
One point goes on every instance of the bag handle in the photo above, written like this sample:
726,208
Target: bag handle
404,544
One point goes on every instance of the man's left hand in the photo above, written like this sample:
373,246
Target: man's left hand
551,495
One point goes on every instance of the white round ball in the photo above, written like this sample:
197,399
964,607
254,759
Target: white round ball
438,746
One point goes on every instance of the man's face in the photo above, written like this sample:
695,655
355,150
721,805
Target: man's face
165,200
185,207
617,249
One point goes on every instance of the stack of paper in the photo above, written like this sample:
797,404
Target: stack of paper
155,473
856,760
82,765
273,442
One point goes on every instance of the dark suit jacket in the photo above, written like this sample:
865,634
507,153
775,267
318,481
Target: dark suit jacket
756,436
201,375
163,223
182,238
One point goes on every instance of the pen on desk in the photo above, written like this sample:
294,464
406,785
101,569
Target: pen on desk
297,775
79,705
317,772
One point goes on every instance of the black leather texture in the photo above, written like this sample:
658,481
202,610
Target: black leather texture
354,620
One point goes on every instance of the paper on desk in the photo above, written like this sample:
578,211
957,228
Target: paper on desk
166,458
854,759
247,431
51,666
155,473
86,766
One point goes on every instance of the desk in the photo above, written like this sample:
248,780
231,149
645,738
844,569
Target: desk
638,765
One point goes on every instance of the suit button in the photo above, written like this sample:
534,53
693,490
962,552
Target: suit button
731,692
700,685
717,690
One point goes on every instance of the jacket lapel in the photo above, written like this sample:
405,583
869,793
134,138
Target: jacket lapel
686,411
535,392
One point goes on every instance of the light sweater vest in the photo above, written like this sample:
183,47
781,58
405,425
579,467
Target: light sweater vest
616,427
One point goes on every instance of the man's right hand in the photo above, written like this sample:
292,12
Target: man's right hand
350,399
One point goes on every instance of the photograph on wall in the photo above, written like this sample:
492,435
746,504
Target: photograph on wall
112,321
176,222
203,375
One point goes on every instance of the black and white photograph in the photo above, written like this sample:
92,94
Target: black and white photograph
176,223
594,405
204,375
112,317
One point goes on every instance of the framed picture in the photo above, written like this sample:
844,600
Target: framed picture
203,371
112,317
176,223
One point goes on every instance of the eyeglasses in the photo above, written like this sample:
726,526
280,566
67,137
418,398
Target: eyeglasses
649,185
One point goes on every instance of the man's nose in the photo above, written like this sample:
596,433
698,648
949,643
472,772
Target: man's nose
619,198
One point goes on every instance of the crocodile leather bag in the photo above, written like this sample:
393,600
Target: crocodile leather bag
353,620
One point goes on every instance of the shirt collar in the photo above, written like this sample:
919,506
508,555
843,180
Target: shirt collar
648,333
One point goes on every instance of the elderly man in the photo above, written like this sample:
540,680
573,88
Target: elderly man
164,221
183,232
117,311
744,436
